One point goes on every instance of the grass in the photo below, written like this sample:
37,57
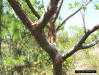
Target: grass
86,60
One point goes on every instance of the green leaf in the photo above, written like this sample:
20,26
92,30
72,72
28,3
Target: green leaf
70,6
76,4
62,28
97,6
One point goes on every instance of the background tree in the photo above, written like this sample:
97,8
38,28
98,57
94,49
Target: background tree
1,10
48,19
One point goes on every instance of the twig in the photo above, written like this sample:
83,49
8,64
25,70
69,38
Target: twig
73,14
83,17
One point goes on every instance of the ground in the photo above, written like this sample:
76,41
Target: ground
86,60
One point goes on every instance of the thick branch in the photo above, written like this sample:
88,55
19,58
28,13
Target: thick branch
50,24
58,10
51,9
32,9
88,33
72,15
80,45
85,46
41,39
21,13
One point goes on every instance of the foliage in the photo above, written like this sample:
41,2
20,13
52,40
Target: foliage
74,5
97,6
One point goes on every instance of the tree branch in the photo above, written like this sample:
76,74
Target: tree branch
51,22
85,46
32,9
51,9
73,14
58,10
21,13
80,45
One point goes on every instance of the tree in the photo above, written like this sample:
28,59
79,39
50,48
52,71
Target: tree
48,19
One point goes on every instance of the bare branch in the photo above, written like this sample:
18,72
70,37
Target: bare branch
73,14
32,9
67,19
21,13
85,46
80,45
85,36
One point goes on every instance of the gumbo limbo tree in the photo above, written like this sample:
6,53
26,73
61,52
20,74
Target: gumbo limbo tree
48,20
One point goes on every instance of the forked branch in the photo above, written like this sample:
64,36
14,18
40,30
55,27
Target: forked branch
80,44
51,9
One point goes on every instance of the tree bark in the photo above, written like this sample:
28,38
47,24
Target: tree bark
57,69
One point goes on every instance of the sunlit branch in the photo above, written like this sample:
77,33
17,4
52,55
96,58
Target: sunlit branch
85,46
32,9
80,45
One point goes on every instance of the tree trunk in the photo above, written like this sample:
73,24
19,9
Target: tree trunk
57,69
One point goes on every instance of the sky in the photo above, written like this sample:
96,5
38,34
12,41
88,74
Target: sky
91,15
